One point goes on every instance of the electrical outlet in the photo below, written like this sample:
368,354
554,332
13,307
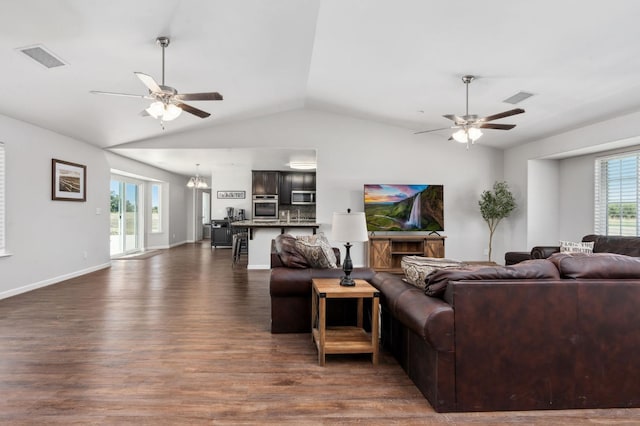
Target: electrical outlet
486,251
98,210
84,254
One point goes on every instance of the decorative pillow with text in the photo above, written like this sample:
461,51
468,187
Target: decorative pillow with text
572,247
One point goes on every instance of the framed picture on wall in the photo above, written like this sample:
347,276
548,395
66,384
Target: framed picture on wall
68,181
231,194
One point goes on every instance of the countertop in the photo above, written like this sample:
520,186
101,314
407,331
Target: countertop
303,223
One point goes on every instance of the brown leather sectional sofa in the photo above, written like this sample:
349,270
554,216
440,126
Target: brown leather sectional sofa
544,334
556,333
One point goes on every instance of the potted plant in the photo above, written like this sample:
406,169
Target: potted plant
496,205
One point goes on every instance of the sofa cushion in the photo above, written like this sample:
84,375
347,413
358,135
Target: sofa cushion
417,268
316,250
290,256
597,265
529,269
573,247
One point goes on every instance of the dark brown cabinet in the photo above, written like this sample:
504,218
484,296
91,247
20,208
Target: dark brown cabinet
265,182
295,181
286,185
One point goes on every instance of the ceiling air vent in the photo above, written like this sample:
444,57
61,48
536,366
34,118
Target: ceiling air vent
518,97
42,56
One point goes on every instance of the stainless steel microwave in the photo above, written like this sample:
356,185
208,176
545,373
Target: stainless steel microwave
303,197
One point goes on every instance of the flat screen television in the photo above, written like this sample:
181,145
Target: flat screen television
404,207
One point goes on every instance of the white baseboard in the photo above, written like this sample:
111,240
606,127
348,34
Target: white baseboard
50,281
162,247
258,266
177,244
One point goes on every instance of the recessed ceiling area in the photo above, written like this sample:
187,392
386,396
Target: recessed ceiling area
183,161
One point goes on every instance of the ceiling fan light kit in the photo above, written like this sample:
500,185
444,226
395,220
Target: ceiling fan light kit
469,125
164,112
168,103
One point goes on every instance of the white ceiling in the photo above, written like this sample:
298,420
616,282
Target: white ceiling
394,61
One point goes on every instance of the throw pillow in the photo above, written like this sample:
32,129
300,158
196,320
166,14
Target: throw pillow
417,268
316,250
572,247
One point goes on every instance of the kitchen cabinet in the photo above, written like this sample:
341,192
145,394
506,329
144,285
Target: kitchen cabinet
295,181
286,185
308,181
265,182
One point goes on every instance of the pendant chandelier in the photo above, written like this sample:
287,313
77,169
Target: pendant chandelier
196,181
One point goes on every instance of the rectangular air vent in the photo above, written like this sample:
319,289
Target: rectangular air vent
518,97
42,55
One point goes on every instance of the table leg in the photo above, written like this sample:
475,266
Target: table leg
322,328
360,312
314,312
374,328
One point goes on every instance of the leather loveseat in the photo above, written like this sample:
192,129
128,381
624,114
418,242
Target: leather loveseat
629,246
556,333
290,291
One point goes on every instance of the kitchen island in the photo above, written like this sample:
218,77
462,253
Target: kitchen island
261,232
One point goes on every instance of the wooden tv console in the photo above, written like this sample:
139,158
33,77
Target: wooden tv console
386,251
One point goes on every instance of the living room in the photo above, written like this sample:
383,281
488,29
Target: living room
550,171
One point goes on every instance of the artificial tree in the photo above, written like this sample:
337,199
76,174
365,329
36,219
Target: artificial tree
496,205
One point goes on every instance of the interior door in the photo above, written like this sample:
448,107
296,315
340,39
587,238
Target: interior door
125,213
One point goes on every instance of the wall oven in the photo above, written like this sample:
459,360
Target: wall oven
265,207
303,197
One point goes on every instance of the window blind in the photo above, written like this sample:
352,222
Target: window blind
617,194
2,200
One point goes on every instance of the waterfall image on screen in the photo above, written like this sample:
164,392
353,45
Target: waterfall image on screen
404,207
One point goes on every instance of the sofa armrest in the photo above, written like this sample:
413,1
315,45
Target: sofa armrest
543,252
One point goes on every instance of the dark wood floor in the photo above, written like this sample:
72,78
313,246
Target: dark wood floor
183,338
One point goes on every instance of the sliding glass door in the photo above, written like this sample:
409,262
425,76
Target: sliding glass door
125,217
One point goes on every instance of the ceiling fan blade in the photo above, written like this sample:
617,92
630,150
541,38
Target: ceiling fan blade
211,96
501,115
97,92
148,81
496,126
434,130
192,110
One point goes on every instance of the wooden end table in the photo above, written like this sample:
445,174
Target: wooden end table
343,339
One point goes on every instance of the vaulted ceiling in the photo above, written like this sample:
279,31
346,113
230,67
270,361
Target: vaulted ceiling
394,61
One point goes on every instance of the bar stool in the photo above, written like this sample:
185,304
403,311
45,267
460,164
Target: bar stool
239,244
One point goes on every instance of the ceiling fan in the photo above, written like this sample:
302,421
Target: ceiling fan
167,103
469,125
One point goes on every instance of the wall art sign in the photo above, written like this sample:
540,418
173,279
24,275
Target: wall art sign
68,181
231,194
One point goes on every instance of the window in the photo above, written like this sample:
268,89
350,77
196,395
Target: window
3,246
156,210
616,194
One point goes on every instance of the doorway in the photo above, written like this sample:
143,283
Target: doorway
124,217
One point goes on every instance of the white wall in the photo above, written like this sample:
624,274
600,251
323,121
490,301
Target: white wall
543,201
50,240
352,152
576,205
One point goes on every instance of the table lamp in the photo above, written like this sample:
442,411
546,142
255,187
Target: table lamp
349,227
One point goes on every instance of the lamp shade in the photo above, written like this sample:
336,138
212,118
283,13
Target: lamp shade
349,227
